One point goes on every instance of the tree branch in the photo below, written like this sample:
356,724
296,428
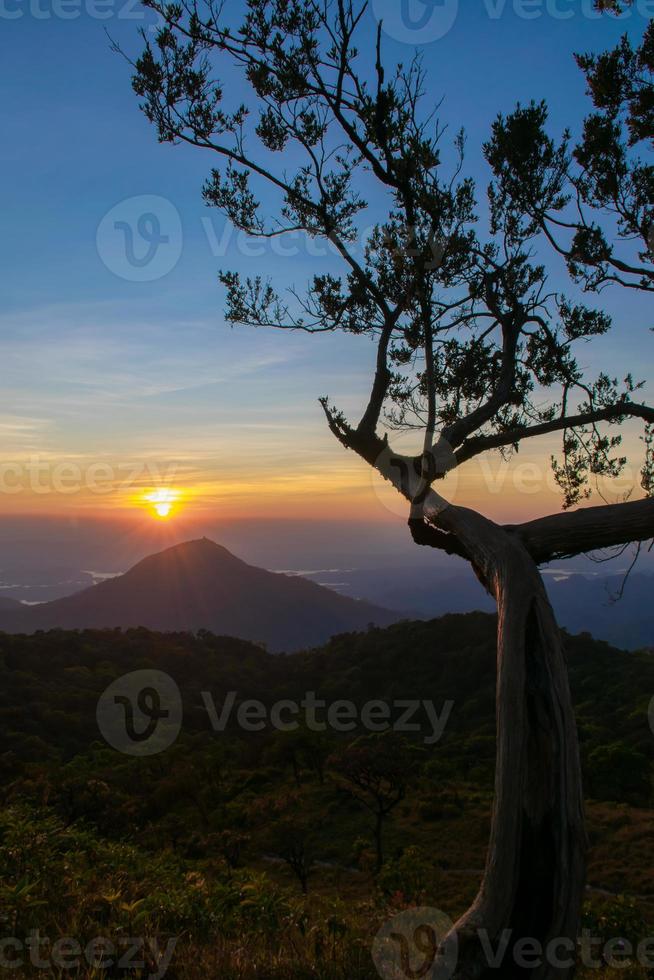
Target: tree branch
589,529
479,444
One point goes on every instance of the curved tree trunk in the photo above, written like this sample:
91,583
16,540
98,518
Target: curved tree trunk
535,871
534,879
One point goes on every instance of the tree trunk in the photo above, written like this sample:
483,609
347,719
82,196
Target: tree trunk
535,869
379,830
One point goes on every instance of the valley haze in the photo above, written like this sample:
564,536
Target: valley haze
199,584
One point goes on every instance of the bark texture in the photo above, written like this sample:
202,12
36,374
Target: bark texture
587,529
535,871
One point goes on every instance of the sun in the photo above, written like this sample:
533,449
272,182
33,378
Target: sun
163,502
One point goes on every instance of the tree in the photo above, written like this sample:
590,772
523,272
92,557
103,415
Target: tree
376,770
472,350
292,838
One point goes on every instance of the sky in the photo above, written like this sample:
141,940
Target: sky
119,378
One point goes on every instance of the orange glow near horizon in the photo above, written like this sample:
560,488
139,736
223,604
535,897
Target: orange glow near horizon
300,485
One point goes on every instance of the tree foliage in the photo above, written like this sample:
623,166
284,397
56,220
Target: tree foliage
473,347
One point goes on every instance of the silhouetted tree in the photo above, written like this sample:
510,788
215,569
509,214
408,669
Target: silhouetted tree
472,349
376,770
292,838
594,204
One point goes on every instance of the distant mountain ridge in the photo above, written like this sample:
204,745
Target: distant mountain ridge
602,604
201,585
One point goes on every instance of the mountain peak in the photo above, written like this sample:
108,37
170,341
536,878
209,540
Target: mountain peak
199,584
200,544
195,550
196,544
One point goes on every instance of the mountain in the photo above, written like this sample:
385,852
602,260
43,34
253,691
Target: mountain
601,604
201,585
608,607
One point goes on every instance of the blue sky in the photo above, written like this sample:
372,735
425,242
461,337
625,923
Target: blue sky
97,367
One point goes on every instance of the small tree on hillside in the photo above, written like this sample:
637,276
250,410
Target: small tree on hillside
376,770
471,349
293,839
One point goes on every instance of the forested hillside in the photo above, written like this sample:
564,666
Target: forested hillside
266,828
